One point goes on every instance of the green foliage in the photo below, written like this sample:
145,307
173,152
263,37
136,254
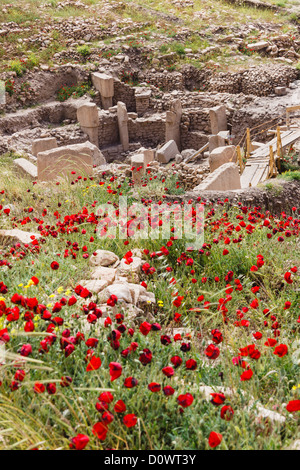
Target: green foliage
291,175
84,50
17,66
74,91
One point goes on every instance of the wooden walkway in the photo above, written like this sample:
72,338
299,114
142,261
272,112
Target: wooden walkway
257,166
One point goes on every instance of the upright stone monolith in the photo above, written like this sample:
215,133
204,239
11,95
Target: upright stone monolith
123,125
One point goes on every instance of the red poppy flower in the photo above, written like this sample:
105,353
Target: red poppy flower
176,361
39,388
191,364
94,364
217,399
281,350
26,350
227,413
185,400
293,405
130,382
130,420
79,442
145,328
120,407
54,265
115,370
214,439
246,375
112,300
168,371
154,387
168,390
212,352
287,278
100,430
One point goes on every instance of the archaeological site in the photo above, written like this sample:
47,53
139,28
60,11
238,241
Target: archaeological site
149,227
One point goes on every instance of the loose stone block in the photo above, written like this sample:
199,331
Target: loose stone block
26,168
63,161
218,119
257,46
222,155
167,152
41,145
280,90
225,178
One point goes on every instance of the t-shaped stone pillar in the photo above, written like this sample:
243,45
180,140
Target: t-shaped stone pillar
218,119
105,85
88,117
123,125
173,119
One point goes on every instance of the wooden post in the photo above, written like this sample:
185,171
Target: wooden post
279,146
273,169
238,151
271,162
288,119
248,145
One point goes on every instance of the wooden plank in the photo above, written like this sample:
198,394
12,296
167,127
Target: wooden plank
259,174
248,175
265,174
287,138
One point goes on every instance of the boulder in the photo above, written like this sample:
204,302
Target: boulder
19,236
95,285
104,274
104,258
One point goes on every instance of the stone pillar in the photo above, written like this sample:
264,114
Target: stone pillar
123,125
173,119
215,141
148,157
138,165
218,119
142,99
88,117
105,85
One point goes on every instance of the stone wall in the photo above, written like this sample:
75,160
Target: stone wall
166,81
149,132
108,129
257,81
126,94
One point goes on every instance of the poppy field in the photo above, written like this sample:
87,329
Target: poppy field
213,363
